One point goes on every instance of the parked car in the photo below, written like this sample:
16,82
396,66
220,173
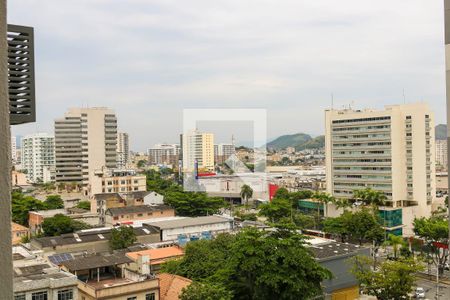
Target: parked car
420,293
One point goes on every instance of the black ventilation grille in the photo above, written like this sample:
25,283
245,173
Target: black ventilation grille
21,78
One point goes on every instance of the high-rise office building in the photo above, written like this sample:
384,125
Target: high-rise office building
14,150
222,152
38,154
441,154
198,147
391,151
164,154
123,149
85,141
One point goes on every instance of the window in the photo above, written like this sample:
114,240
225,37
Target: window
150,296
19,297
132,298
65,295
39,296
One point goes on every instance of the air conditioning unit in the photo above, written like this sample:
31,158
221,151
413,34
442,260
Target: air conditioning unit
21,79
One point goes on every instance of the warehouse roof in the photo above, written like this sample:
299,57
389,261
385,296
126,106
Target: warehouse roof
187,222
116,211
96,261
86,236
334,249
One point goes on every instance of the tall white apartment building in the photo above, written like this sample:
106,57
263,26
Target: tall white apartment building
441,154
123,149
164,154
13,149
392,151
38,154
85,141
223,151
198,147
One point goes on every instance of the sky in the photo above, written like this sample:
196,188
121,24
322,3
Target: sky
150,59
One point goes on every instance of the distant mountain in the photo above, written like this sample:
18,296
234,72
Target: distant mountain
440,132
299,141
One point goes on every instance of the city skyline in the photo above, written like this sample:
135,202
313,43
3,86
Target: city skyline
282,57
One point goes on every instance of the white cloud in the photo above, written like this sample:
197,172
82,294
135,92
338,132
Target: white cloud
150,59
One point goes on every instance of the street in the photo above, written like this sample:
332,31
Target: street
430,289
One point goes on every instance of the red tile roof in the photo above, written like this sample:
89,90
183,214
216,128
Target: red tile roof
170,286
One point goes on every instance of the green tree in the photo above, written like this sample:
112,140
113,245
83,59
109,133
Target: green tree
60,224
434,231
122,237
205,291
276,210
141,163
246,193
84,205
361,226
303,221
54,202
396,242
193,204
393,280
21,205
254,264
364,226
370,197
339,226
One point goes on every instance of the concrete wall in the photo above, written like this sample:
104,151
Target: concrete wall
6,283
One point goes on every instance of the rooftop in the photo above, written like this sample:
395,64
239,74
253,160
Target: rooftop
18,227
333,250
171,286
86,236
96,261
186,222
49,213
135,209
157,255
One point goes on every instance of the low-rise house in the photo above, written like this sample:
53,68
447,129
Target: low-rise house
36,218
336,257
158,256
116,181
89,240
18,232
102,202
35,279
128,214
192,228
109,276
171,286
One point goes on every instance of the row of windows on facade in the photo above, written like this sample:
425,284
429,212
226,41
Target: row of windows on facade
128,181
43,295
362,120
131,216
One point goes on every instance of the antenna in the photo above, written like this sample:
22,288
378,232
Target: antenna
404,97
332,101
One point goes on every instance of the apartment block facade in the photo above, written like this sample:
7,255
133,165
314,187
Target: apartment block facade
391,151
13,149
116,181
38,154
123,149
441,154
198,148
223,151
85,141
164,154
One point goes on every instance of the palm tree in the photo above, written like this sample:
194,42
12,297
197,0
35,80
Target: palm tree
246,193
396,242
370,197
324,199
